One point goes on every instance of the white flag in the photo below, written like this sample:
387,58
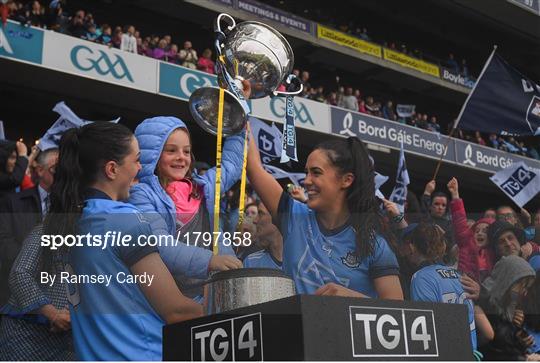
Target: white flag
67,120
518,182
379,181
277,173
399,194
267,138
405,110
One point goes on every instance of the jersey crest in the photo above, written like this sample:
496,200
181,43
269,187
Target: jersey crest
351,260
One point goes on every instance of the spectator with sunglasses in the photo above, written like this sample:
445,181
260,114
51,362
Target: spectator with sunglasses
508,214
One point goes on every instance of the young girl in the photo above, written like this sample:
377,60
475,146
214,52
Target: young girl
179,202
120,318
331,245
476,257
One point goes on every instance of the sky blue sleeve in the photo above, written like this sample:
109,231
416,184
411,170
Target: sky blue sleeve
383,261
534,261
180,259
139,198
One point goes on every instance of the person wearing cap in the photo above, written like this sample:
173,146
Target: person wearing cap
475,259
506,239
503,293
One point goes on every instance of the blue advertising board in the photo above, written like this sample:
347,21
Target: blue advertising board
21,42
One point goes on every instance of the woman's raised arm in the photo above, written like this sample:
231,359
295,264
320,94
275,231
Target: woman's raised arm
262,182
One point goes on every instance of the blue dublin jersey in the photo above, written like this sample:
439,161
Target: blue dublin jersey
314,256
439,283
262,259
534,261
111,320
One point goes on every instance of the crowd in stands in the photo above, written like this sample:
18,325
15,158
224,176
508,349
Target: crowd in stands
491,256
348,23
436,250
128,38
353,99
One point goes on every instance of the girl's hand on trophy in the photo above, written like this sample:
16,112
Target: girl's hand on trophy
224,263
246,89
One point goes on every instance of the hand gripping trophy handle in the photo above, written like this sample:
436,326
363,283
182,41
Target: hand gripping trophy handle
248,51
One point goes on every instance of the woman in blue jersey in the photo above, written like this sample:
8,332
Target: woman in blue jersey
116,291
424,247
332,244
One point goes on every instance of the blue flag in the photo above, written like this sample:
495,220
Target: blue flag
267,138
503,102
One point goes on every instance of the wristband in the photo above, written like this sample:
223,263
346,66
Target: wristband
398,218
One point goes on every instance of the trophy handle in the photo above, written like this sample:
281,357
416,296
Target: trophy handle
217,25
220,35
292,81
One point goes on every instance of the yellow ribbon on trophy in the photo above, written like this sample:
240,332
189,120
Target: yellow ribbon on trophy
217,193
242,201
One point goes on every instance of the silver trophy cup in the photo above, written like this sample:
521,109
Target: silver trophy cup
252,51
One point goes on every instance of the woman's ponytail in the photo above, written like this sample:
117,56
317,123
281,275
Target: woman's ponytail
361,199
65,197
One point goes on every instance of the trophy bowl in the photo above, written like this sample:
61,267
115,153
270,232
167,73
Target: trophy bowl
203,105
260,54
234,289
253,52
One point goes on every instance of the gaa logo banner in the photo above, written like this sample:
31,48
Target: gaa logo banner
85,59
309,114
96,61
181,82
392,332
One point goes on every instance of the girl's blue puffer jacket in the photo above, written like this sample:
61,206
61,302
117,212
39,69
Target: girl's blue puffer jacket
152,200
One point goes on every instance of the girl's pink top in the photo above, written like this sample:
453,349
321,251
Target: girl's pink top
181,194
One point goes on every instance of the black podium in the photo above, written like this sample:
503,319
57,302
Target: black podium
305,327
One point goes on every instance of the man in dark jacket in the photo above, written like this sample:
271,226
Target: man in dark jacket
20,212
